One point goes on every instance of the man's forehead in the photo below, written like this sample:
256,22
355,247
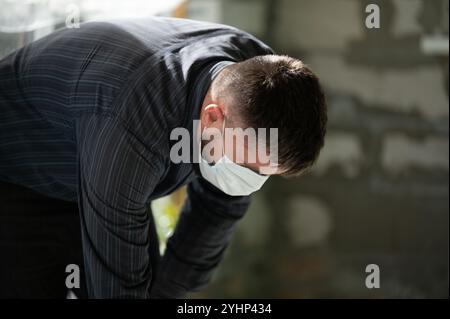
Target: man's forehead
250,158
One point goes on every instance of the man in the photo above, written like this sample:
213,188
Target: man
86,117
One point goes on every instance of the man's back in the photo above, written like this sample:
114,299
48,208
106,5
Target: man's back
138,71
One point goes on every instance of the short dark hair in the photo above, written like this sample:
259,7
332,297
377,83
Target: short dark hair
280,91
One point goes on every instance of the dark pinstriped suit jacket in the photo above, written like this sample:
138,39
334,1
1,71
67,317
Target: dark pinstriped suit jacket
85,115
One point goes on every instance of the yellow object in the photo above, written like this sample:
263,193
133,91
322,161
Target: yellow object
166,211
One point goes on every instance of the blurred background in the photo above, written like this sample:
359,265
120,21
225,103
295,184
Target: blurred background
379,192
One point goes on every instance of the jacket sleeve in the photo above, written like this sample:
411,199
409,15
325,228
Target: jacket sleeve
115,180
201,236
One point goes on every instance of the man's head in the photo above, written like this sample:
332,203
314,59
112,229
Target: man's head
270,91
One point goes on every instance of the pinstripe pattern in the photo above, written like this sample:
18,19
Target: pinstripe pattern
85,115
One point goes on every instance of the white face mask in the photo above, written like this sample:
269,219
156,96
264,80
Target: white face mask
231,178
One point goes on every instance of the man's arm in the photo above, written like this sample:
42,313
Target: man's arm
115,180
202,234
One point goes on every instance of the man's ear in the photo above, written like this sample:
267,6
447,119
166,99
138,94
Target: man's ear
212,115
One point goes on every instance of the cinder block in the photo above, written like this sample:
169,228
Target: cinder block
401,153
342,150
406,17
419,90
318,24
308,221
